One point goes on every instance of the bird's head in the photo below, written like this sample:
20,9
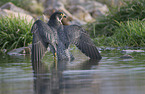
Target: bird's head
57,16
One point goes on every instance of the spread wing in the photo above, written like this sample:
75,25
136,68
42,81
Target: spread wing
42,34
82,40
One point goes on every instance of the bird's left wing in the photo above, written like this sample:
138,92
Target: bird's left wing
41,38
82,40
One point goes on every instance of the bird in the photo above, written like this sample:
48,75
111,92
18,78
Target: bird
59,37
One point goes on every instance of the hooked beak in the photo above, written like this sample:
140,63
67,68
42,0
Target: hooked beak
64,15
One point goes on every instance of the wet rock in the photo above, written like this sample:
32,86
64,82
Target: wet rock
3,50
126,56
20,51
131,51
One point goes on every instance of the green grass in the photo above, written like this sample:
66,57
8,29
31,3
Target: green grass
14,32
124,26
130,10
130,34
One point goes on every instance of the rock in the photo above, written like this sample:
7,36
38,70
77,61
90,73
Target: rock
79,12
31,5
49,11
3,50
131,51
70,18
92,6
3,13
20,51
77,22
10,13
95,8
35,7
126,56
43,18
10,10
12,7
73,2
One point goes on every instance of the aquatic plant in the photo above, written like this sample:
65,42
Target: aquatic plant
14,32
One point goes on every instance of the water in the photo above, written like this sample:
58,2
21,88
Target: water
111,75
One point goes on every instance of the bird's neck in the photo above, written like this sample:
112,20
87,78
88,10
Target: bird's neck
54,23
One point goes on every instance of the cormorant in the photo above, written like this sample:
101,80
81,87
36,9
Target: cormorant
58,37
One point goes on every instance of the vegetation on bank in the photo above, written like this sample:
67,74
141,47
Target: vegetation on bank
14,32
129,34
123,26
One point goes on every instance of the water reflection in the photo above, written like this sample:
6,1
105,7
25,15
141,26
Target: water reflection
53,80
112,75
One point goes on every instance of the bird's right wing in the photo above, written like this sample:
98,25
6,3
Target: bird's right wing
41,38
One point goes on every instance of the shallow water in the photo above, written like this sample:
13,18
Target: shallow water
111,75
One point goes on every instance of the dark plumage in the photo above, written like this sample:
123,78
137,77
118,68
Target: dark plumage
58,37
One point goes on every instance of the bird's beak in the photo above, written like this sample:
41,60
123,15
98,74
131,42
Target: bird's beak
64,15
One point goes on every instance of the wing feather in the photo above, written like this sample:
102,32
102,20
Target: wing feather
86,45
41,38
82,40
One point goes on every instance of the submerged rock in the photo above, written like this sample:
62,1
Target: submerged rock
131,51
126,56
20,51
